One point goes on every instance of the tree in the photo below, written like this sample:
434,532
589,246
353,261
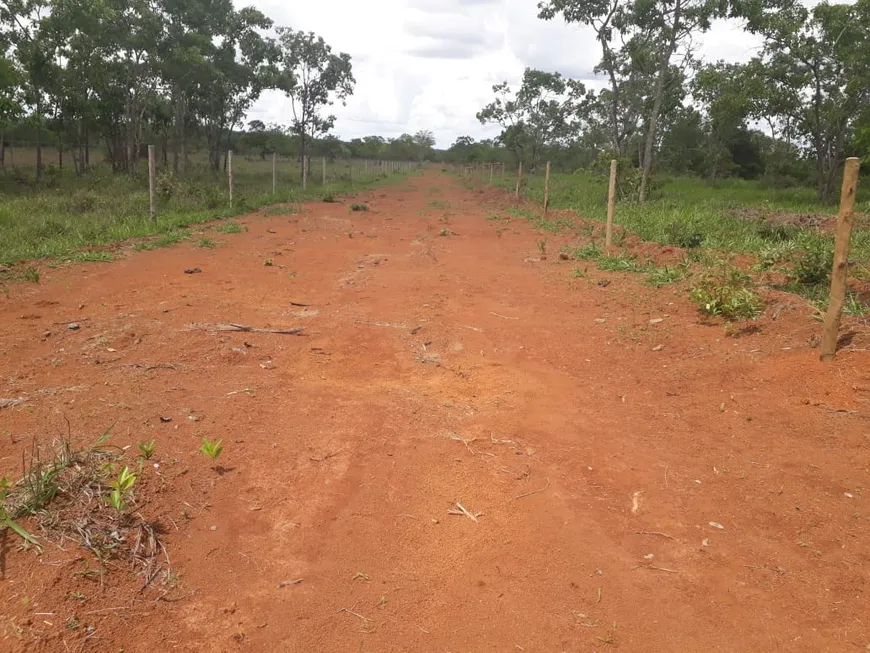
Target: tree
541,112
314,78
425,141
652,32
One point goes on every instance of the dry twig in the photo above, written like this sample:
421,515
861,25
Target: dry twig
462,511
528,494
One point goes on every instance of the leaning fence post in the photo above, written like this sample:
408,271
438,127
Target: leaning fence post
152,196
611,201
841,258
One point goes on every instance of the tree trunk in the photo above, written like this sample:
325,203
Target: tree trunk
302,155
657,104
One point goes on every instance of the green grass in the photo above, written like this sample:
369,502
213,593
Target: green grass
66,214
230,227
207,243
691,213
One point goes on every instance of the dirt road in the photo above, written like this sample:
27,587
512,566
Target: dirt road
637,480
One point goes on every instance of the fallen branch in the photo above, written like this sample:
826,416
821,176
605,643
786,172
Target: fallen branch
286,583
462,511
247,329
670,571
655,533
504,317
155,366
8,403
355,614
528,494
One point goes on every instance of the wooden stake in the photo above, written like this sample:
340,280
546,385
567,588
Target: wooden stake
305,172
490,173
274,171
611,201
323,172
152,183
519,178
841,259
547,190
230,173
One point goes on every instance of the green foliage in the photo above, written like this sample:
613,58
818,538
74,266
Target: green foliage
147,449
31,274
207,243
359,207
121,488
814,264
231,228
620,263
724,293
663,276
589,252
6,520
212,448
268,262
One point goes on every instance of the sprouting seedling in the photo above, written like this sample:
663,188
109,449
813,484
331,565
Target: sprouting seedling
212,448
120,487
147,449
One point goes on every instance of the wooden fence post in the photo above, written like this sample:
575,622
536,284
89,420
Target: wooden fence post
547,190
304,172
490,173
230,173
519,178
152,182
274,171
841,259
611,201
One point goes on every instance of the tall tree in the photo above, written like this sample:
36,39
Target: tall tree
313,78
425,141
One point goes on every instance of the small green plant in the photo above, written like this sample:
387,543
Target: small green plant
92,257
620,263
212,448
6,520
329,198
659,277
542,247
31,274
775,253
725,293
446,232
814,265
268,262
578,273
207,243
589,252
121,487
147,449
854,306
358,207
231,228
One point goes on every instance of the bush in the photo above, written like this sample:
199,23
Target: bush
724,293
682,234
814,265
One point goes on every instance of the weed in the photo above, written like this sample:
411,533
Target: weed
438,204
92,257
6,520
659,277
683,235
358,207
814,265
589,252
724,293
620,263
446,232
231,228
121,487
854,306
284,209
329,198
268,262
775,253
31,274
207,243
542,247
578,273
147,449
212,448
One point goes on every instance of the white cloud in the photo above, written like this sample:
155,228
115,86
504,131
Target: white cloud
431,64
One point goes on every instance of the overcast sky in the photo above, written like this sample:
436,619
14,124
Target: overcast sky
431,64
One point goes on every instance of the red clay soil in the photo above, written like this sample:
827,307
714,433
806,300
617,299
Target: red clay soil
639,481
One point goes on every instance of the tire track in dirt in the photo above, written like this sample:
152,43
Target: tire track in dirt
437,369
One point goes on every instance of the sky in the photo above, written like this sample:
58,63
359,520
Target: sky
431,64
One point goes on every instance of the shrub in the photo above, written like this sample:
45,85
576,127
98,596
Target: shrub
814,265
725,293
